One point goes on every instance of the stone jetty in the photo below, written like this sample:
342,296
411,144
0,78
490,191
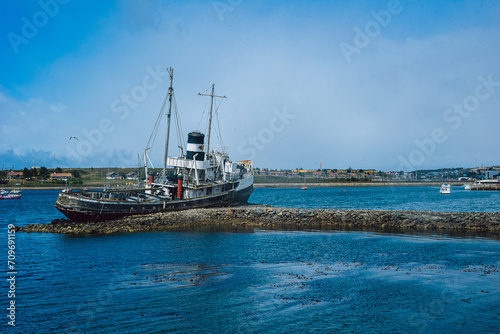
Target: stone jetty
250,217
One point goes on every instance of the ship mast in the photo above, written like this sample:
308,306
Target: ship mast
210,118
170,93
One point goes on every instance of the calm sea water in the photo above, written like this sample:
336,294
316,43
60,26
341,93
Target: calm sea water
261,282
383,198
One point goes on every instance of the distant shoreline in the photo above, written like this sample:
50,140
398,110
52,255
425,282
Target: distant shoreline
299,185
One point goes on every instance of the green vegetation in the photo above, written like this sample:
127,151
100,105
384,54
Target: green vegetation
27,173
44,173
96,177
81,177
75,173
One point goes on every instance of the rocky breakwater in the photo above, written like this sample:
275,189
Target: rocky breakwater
250,217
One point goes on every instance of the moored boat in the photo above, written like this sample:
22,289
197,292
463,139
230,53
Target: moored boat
201,178
12,194
486,185
304,187
445,189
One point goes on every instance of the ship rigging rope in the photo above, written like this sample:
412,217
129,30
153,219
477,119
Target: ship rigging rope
215,115
207,106
178,125
202,117
152,137
175,112
219,133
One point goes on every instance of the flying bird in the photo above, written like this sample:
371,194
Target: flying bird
73,137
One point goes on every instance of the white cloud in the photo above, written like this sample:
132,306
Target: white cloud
58,107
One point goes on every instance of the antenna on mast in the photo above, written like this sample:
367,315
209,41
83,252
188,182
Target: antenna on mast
210,119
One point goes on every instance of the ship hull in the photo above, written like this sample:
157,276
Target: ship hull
10,197
82,209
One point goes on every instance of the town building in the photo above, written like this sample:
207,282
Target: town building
491,174
60,176
113,176
132,176
15,175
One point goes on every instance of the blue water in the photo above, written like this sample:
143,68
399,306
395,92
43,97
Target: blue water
381,198
261,282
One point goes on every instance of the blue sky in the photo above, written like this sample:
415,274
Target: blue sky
389,85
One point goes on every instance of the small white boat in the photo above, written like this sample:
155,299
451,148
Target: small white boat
304,187
467,186
13,194
445,189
